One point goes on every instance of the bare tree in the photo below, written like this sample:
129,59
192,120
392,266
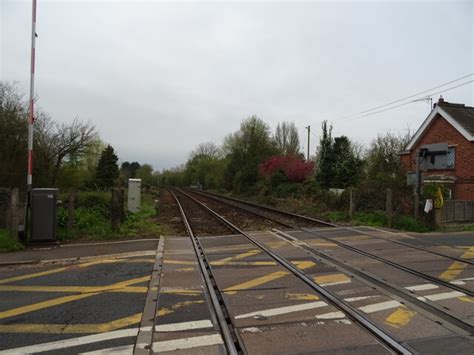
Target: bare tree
208,149
287,139
61,141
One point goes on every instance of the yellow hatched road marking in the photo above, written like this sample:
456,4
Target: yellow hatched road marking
325,279
302,297
72,328
400,317
466,299
164,311
265,279
179,262
66,299
74,289
453,271
236,257
255,282
468,254
61,269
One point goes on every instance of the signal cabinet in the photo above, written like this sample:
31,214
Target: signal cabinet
43,214
134,195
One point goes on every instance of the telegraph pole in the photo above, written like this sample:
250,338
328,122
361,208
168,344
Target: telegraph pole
309,130
31,116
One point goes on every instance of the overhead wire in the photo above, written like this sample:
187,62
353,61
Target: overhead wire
409,102
428,91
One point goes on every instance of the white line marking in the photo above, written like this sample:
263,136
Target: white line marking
176,327
422,287
382,306
444,295
117,350
283,310
331,315
336,283
61,344
187,343
355,299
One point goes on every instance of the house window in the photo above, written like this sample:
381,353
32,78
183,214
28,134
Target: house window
451,158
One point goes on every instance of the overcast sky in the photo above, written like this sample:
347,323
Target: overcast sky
158,78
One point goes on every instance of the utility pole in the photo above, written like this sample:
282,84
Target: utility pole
309,130
31,117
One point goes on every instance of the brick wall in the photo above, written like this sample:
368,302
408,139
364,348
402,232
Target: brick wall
441,131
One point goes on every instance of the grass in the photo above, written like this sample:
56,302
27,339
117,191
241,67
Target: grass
92,223
7,243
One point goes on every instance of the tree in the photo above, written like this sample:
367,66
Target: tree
145,173
287,139
292,167
60,141
107,169
347,168
325,157
384,168
246,149
13,137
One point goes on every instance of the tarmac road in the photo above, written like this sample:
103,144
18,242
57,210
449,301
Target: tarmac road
81,307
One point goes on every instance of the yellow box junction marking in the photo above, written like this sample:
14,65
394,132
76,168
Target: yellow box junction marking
301,297
468,254
266,278
236,257
164,311
72,328
326,279
401,317
453,271
65,299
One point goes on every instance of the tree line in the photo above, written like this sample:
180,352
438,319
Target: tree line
253,159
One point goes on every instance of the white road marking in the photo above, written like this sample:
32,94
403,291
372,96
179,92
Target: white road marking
382,306
355,299
336,283
283,310
461,281
331,315
422,287
444,295
187,343
61,344
117,350
176,327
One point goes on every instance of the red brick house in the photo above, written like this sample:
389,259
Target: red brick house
452,124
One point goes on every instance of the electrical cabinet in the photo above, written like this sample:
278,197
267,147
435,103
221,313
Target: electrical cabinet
44,214
134,195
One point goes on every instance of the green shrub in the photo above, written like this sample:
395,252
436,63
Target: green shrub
7,243
374,219
336,216
408,223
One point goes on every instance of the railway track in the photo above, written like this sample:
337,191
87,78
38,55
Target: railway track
233,342
253,208
427,307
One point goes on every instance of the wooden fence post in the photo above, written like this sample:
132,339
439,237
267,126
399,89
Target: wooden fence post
71,209
14,212
388,208
115,209
351,203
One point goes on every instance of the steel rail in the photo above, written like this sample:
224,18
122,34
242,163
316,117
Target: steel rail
353,313
378,258
425,307
231,340
309,219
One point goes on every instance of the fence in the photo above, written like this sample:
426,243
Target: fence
457,211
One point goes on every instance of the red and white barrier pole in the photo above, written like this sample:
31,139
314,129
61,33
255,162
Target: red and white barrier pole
31,119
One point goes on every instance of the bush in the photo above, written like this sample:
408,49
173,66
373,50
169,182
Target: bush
408,223
7,243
